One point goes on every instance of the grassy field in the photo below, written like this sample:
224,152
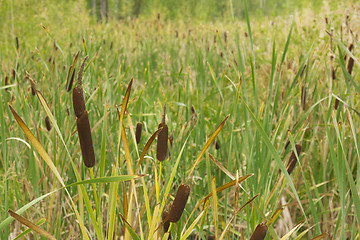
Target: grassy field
242,97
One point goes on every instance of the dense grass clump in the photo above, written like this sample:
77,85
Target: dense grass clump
243,100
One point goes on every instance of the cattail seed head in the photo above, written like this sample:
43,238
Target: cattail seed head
111,45
336,105
47,123
78,101
138,132
167,222
162,143
17,43
179,203
350,65
259,232
86,143
217,145
292,160
333,74
13,74
302,71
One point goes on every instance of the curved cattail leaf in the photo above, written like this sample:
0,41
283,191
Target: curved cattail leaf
162,143
138,132
47,123
69,86
78,101
86,143
260,232
292,160
179,203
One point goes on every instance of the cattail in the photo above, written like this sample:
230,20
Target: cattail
246,34
221,54
17,43
69,86
138,132
333,74
6,80
303,97
49,60
165,218
176,34
211,237
158,16
217,145
336,103
78,101
225,36
350,65
260,232
350,48
179,203
13,74
47,123
214,39
162,143
326,21
82,121
85,138
162,140
292,160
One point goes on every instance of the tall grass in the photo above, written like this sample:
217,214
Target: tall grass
236,115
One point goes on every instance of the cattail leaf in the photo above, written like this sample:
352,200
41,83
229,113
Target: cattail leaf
221,167
275,215
323,235
207,144
223,187
294,229
40,222
31,225
259,232
146,148
192,226
233,217
133,234
37,145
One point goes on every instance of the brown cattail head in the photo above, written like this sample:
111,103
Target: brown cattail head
13,74
17,43
217,145
303,97
162,143
225,36
138,132
246,34
292,160
47,123
33,85
333,74
176,34
260,232
326,21
86,143
350,65
6,80
78,101
111,45
179,203
336,105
